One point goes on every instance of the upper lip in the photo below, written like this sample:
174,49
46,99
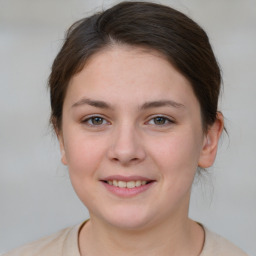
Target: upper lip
125,178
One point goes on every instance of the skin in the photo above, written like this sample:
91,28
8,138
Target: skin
126,141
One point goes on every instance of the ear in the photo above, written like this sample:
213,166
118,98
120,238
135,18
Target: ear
59,135
62,148
210,144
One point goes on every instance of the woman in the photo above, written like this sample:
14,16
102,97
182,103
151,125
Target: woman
134,96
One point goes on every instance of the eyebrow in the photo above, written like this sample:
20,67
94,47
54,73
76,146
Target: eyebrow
162,103
93,103
146,105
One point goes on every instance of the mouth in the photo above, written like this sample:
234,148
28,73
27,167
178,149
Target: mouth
124,186
127,184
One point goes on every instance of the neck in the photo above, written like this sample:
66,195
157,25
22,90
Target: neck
179,237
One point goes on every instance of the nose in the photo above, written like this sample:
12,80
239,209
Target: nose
126,147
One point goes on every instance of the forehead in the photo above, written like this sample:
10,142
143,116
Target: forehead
121,72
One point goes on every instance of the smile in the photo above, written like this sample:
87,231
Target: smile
129,184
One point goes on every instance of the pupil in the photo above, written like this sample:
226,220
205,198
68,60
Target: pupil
97,120
159,120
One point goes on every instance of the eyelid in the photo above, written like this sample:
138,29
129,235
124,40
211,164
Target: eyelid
87,118
168,118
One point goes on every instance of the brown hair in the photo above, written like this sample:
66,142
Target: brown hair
183,42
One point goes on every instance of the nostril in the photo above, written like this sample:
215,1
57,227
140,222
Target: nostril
128,154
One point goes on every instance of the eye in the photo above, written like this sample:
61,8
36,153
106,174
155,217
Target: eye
160,120
95,121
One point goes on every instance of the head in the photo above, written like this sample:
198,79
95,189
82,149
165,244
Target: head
134,95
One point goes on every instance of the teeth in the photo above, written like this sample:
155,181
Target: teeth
138,183
129,184
121,184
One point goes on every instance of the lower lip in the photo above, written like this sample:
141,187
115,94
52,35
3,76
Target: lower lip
127,192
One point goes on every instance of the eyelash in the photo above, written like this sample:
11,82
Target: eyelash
89,121
166,120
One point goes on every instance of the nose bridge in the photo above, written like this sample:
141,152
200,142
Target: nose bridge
126,146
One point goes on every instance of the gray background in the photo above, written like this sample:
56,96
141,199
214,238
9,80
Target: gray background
36,197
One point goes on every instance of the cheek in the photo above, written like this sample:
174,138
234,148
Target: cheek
177,156
83,154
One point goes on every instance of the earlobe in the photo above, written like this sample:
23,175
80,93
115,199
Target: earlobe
210,144
63,157
62,149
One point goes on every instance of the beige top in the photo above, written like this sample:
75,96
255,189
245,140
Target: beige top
65,243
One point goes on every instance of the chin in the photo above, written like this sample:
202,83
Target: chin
129,219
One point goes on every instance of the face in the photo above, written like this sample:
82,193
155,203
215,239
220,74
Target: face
132,138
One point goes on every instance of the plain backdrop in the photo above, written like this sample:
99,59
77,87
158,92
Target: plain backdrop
36,198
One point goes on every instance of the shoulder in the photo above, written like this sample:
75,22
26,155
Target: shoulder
64,242
215,245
